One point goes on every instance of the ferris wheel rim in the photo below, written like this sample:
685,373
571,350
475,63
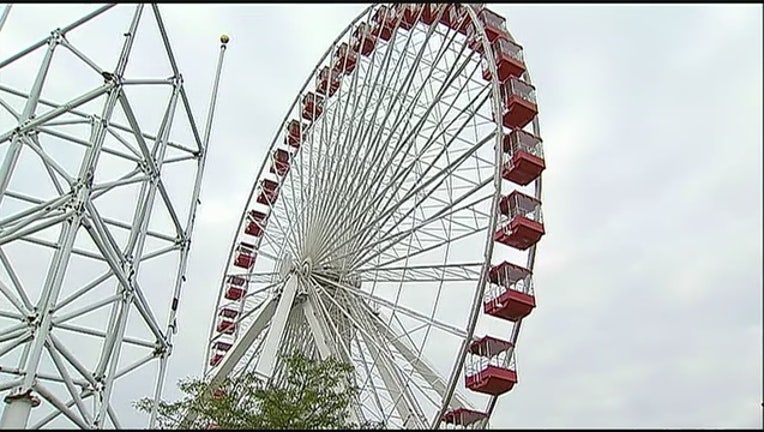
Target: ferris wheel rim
536,126
489,242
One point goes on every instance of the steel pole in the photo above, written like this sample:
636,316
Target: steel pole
181,276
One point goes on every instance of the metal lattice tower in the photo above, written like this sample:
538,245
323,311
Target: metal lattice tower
100,178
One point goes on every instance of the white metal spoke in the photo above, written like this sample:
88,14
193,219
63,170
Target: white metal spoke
441,175
396,307
373,141
451,272
374,180
362,311
368,338
444,212
410,360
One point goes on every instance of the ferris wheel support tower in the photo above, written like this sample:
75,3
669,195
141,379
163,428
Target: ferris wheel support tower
44,314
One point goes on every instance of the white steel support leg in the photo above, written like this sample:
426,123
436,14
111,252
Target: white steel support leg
237,352
245,342
342,350
16,413
319,330
267,360
137,242
393,385
54,281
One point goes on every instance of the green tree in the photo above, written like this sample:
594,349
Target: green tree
314,395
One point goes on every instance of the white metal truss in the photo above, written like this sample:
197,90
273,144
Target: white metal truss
88,208
385,223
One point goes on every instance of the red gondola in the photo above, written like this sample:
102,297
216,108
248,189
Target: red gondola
235,288
345,59
523,157
463,417
490,377
293,134
408,14
510,295
508,57
363,40
312,106
430,12
226,327
385,22
255,223
269,191
519,103
280,163
245,255
520,221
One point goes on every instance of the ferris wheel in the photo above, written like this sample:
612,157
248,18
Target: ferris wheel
101,164
394,223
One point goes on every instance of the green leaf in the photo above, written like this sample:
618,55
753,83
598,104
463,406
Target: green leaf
315,394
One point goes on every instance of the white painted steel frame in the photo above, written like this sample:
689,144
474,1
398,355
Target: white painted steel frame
74,209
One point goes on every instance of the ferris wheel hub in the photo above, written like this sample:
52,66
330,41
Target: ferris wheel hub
306,267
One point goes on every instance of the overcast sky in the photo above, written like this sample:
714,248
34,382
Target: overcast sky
649,280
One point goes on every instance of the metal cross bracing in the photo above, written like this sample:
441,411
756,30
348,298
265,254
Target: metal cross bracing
102,163
376,242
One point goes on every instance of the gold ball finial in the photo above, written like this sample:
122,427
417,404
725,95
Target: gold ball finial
224,38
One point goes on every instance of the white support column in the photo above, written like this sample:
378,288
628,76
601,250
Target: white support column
14,151
267,360
340,350
237,352
317,329
245,342
393,385
326,349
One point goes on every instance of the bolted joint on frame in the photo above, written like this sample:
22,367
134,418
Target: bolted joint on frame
107,77
129,268
78,209
183,242
55,37
145,168
162,349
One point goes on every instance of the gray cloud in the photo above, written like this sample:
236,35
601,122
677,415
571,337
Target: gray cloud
649,280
